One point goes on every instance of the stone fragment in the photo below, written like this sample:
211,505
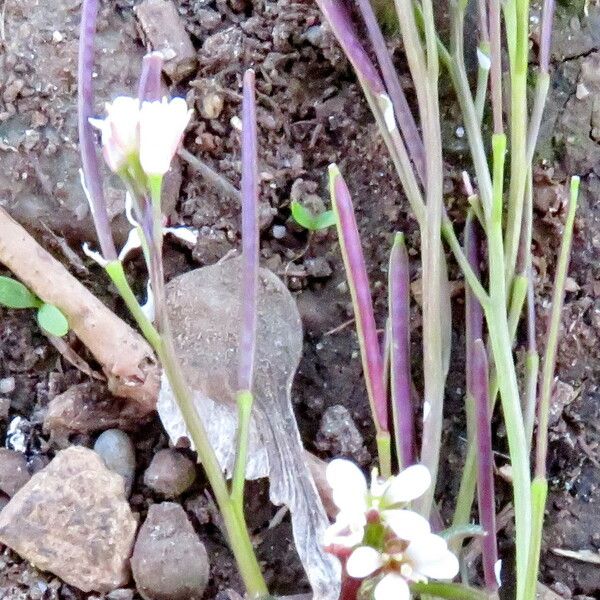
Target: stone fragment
86,408
72,519
164,31
339,435
170,473
116,449
14,473
169,561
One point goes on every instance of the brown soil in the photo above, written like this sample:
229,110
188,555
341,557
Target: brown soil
311,113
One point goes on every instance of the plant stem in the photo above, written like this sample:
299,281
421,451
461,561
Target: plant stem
244,401
553,333
162,343
85,106
519,165
500,339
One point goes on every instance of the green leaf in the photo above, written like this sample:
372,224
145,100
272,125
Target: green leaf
451,591
15,295
306,219
52,320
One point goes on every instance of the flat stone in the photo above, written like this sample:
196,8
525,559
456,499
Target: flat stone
72,519
14,473
87,408
170,473
169,561
165,31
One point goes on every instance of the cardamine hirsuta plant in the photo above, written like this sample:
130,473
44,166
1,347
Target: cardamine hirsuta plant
499,189
388,534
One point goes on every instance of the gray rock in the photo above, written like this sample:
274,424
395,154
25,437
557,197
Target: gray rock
116,449
339,435
169,561
14,473
170,473
72,519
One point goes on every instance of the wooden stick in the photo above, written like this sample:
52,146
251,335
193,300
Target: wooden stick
127,360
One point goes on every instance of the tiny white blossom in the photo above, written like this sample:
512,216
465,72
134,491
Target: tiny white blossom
414,561
120,131
407,550
161,128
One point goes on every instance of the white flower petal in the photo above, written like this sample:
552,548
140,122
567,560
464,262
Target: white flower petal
392,587
133,242
407,524
409,484
430,557
186,234
129,210
149,307
344,533
348,485
94,255
161,128
363,562
498,572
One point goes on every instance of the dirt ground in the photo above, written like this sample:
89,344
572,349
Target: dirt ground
310,113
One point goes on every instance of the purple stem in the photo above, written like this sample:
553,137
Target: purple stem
341,24
250,234
149,88
87,148
546,35
356,272
473,310
402,111
485,464
399,301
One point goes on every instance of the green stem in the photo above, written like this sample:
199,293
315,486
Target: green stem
244,400
237,531
384,451
114,269
539,493
519,165
501,343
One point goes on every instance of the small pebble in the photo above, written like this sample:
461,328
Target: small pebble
117,451
169,561
14,473
279,231
582,91
170,473
7,385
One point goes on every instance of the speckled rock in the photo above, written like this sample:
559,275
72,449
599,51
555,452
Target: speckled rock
116,449
14,473
72,519
169,561
170,473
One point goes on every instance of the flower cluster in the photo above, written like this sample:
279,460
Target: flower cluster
378,538
148,132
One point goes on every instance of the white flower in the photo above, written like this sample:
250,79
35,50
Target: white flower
418,560
161,128
120,131
351,493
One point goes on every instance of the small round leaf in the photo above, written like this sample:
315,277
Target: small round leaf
14,294
52,320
